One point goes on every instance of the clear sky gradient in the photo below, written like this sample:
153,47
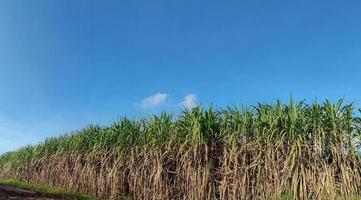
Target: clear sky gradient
67,63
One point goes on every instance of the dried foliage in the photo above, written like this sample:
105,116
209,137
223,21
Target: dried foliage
269,151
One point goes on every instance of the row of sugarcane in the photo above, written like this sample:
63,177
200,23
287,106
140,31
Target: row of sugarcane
267,151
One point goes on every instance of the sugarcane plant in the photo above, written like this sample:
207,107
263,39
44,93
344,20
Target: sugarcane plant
267,151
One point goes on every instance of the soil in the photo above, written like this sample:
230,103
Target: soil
19,194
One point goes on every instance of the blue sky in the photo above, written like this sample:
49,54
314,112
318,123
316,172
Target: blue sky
66,63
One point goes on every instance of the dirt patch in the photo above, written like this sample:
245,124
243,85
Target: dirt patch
9,193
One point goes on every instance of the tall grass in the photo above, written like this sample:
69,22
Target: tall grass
304,151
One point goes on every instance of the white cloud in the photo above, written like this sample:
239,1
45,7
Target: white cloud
14,135
154,100
189,101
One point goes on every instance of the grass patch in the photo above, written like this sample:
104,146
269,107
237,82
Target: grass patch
51,191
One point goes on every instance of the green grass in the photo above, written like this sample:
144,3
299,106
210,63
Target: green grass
51,191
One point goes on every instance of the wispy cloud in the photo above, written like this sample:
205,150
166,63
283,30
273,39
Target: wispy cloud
189,101
11,131
154,100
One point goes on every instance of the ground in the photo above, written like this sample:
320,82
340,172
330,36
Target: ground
19,194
